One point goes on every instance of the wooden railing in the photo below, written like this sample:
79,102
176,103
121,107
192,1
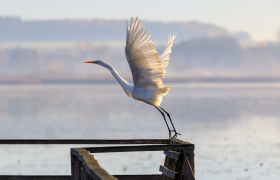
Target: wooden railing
85,167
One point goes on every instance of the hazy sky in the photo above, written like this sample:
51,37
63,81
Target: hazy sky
261,18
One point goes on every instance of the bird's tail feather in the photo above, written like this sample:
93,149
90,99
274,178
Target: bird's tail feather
163,91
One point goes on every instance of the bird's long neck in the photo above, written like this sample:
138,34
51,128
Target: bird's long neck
124,84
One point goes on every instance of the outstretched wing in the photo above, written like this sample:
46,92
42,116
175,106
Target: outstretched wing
144,61
165,55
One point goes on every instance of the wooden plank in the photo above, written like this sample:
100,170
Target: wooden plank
119,177
179,167
138,148
84,141
139,177
84,173
77,168
72,166
172,154
90,165
167,172
31,177
177,141
190,155
187,169
169,164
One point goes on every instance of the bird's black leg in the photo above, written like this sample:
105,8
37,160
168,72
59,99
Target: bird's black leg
165,121
175,135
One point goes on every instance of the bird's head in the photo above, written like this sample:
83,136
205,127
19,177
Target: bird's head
100,62
95,62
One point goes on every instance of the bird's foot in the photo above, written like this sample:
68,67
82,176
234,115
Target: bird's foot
170,137
175,135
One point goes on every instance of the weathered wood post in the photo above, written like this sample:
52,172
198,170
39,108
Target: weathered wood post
190,156
178,165
76,168
188,165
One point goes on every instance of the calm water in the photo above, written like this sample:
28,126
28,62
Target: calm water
235,127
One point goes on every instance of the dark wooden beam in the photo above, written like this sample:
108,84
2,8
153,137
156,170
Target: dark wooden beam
120,177
22,177
138,148
84,141
188,173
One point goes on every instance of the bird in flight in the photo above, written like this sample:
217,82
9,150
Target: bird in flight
147,68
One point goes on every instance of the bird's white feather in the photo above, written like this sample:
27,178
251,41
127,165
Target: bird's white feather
145,63
165,55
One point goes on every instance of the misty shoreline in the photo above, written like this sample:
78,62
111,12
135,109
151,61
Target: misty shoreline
175,80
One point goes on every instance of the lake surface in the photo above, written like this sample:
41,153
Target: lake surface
235,127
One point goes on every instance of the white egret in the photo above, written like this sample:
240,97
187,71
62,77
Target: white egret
147,68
